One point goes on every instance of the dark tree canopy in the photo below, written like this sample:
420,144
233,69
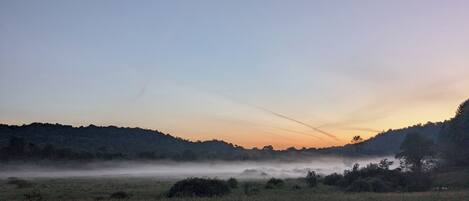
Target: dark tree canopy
199,187
454,140
415,149
356,139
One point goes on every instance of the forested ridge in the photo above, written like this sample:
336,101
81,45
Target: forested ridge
64,142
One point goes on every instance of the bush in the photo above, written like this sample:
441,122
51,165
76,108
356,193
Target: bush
20,183
119,195
379,178
417,181
359,185
232,183
312,179
250,189
274,183
332,179
379,185
34,195
296,187
198,187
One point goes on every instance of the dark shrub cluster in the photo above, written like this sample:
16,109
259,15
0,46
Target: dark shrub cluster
250,189
199,187
417,181
379,178
312,179
274,183
34,195
232,183
332,179
119,195
359,185
19,183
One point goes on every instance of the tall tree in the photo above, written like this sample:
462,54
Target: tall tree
357,143
415,149
454,140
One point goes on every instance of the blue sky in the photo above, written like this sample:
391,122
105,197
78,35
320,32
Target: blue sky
201,69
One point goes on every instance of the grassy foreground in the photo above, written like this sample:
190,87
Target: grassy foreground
152,189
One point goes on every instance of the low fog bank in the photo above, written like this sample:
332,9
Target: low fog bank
176,170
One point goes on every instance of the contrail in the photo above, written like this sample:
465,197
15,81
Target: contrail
301,133
299,122
283,117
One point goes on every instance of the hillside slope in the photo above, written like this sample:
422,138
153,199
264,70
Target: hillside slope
55,141
388,142
130,142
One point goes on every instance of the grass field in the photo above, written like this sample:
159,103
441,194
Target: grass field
152,189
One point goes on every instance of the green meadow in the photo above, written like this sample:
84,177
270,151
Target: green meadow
94,189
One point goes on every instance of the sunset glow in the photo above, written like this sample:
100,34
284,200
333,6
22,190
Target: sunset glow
251,73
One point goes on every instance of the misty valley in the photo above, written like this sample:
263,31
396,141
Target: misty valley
234,100
170,170
51,162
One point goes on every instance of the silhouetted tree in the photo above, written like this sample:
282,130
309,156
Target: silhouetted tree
385,164
356,141
232,182
415,149
274,183
268,148
454,140
312,179
199,187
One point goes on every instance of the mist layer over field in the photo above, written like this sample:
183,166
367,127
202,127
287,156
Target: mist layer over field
175,170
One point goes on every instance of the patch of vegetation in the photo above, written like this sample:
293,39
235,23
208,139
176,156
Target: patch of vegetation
20,183
359,185
199,187
332,179
88,189
34,195
250,188
379,178
312,179
274,183
120,195
232,183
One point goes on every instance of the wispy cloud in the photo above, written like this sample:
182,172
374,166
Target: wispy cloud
297,121
301,133
330,135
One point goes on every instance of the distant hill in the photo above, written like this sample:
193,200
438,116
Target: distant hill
388,142
57,142
129,142
136,143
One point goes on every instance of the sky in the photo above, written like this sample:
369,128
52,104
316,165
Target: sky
251,72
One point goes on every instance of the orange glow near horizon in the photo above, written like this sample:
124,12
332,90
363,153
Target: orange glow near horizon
282,134
283,73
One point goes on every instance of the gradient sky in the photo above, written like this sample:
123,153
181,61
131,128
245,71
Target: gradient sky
251,72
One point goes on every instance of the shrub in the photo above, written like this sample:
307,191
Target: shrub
312,179
333,179
296,187
232,183
359,185
417,181
250,189
20,183
274,183
119,195
379,178
34,195
198,187
379,185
